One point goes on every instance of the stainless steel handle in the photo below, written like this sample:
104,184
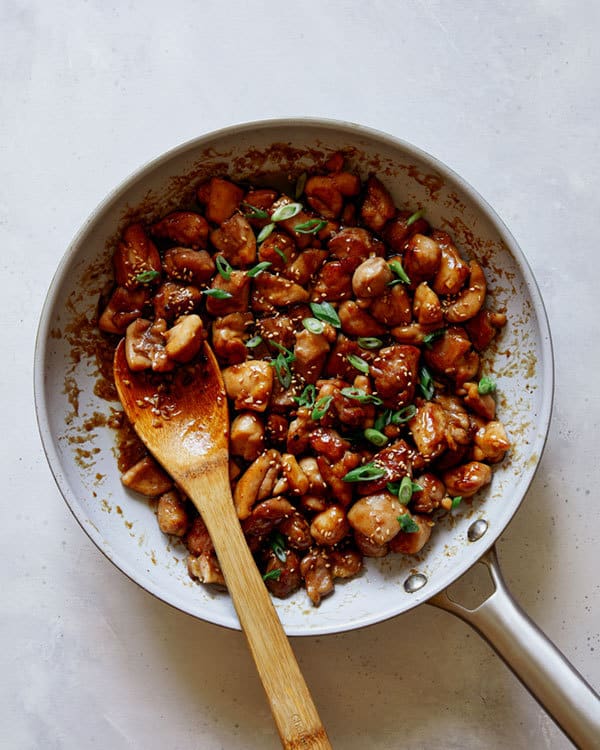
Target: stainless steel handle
534,659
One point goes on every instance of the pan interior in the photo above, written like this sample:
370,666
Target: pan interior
74,416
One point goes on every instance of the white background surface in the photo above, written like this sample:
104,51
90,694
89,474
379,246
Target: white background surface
507,96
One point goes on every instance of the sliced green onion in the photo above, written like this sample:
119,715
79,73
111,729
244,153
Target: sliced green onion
369,342
272,575
300,185
396,267
312,226
357,394
145,277
313,325
321,407
287,211
403,415
258,268
408,524
282,370
280,253
383,419
265,232
456,501
486,386
278,546
223,267
415,217
364,473
426,383
217,293
307,397
254,342
429,338
326,312
359,363
290,356
253,212
376,437
405,490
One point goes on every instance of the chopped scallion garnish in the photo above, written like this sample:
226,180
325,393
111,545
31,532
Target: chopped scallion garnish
307,397
252,212
278,546
265,232
272,575
403,415
396,267
223,267
408,524
415,217
321,407
282,370
376,437
312,226
359,363
146,277
456,501
364,473
426,383
429,338
254,342
369,342
258,268
280,253
326,312
486,386
357,394
285,212
217,293
313,325
300,185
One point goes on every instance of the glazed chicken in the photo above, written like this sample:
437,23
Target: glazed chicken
350,335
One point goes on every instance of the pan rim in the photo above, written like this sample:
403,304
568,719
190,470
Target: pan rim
339,126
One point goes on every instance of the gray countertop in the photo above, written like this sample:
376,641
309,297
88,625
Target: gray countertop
507,95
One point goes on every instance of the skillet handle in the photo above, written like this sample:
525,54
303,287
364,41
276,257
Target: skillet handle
543,670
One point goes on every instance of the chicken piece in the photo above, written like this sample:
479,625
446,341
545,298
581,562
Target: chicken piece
491,442
345,563
330,527
236,241
317,576
276,430
368,547
483,405
334,473
124,306
277,328
329,443
397,460
459,431
396,232
249,384
376,516
377,207
145,346
333,282
469,301
147,478
325,193
194,267
372,278
287,579
261,198
264,518
297,480
288,225
229,337
135,256
185,339
427,307
453,270
272,291
247,436
466,480
421,259
428,429
276,245
304,267
393,307
299,432
338,365
296,531
394,372
354,245
248,487
452,355
172,514
206,569
358,322
310,352
172,300
184,228
411,542
238,286
316,483
430,496
483,328
351,412
221,197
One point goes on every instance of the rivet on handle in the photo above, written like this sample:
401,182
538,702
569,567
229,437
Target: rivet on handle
477,529
414,582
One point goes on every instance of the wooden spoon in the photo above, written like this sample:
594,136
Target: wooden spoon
182,419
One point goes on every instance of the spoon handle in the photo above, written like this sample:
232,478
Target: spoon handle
294,711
